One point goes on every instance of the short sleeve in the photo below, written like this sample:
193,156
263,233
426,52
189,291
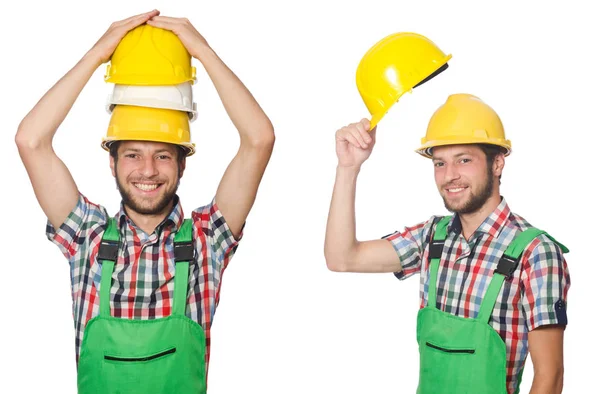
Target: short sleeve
409,245
68,237
219,235
545,284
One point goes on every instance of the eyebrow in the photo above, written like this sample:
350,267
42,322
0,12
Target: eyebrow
455,156
136,150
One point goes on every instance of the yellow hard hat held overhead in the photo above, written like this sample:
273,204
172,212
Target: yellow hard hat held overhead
464,119
395,65
135,123
148,55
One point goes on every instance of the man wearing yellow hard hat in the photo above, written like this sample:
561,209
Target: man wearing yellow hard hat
493,287
146,281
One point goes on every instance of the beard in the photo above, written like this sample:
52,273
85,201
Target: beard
476,200
145,207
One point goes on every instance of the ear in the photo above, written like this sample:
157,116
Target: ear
112,166
498,165
181,167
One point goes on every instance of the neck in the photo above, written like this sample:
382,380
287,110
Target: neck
148,222
471,221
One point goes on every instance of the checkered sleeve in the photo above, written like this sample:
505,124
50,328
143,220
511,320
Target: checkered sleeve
409,245
545,283
68,237
219,235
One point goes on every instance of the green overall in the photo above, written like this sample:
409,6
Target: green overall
465,355
164,355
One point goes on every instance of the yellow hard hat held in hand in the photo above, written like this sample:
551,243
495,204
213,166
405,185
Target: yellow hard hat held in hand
395,65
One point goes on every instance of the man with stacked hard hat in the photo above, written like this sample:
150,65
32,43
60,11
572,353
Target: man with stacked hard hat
146,281
493,287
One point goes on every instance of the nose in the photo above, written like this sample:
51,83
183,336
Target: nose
451,174
149,167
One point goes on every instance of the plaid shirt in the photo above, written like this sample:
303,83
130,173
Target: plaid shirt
535,296
144,272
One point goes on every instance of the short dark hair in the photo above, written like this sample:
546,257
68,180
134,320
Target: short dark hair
114,149
491,151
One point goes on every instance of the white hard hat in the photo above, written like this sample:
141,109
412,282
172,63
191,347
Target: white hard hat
178,97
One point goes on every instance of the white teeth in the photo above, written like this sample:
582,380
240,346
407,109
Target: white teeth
456,190
145,187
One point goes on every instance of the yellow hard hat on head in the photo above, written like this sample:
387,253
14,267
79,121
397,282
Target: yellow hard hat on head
135,123
149,55
395,65
464,119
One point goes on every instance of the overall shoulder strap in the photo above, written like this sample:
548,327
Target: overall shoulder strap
506,267
436,246
439,237
109,246
184,254
107,257
184,235
510,259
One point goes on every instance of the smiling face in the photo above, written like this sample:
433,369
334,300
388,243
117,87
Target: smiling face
465,179
147,175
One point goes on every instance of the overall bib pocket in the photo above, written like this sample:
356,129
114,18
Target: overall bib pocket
449,350
140,359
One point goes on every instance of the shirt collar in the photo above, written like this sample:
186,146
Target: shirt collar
492,225
174,218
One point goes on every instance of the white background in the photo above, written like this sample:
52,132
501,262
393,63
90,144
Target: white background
285,323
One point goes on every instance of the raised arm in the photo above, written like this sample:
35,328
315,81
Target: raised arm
343,252
238,187
52,182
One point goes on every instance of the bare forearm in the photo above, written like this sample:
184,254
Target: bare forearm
546,348
246,114
40,124
340,237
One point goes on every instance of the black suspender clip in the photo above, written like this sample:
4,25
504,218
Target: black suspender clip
506,266
108,250
184,251
435,249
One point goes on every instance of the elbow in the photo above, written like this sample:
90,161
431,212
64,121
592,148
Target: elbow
266,142
25,141
264,139
336,265
559,386
559,380
341,257
550,380
28,137
335,262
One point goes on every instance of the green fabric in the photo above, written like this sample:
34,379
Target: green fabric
181,270
165,355
464,355
111,234
441,230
